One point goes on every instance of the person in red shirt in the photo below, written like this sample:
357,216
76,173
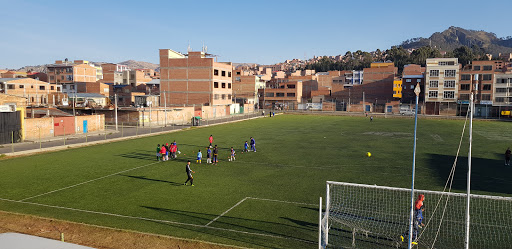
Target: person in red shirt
211,140
419,202
162,152
173,149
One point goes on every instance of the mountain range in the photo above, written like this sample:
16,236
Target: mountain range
455,37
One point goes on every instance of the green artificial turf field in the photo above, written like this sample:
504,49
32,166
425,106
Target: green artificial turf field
263,199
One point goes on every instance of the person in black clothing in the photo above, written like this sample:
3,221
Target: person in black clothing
215,154
507,157
189,174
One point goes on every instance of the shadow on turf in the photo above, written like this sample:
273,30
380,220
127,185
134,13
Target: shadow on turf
154,180
488,175
233,225
139,155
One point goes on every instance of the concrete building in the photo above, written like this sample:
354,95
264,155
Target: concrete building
502,92
194,79
36,92
441,86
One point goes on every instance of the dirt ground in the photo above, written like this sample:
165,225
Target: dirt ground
94,236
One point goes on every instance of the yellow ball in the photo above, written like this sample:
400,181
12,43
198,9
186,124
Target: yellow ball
368,154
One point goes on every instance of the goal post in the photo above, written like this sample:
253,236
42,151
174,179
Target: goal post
371,216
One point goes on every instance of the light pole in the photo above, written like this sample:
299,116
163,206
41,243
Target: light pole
411,217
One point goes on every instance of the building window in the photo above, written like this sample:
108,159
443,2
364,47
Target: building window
229,85
237,73
487,77
486,97
216,72
501,90
432,94
412,87
290,86
62,77
418,80
487,68
486,87
215,96
229,96
223,73
58,88
433,83
464,96
223,85
41,87
237,79
223,96
465,77
449,94
279,94
446,63
52,88
229,74
476,68
10,86
72,87
269,94
464,87
449,84
21,86
290,95
215,84
449,73
434,73
408,80
52,77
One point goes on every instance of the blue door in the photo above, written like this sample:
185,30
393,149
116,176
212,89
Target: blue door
85,126
367,108
390,109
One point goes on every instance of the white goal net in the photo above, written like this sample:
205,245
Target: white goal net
366,216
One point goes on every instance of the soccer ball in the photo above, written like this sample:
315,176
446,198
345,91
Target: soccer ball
229,159
368,154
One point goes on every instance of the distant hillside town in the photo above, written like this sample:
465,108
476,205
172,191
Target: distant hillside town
189,86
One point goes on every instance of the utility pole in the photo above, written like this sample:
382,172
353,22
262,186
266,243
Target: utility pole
115,108
364,105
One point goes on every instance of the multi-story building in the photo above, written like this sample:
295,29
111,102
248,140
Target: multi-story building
411,76
194,79
441,86
245,89
284,95
502,92
36,92
397,88
68,74
478,78
113,73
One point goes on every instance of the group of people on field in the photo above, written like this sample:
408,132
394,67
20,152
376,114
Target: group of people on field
212,154
163,152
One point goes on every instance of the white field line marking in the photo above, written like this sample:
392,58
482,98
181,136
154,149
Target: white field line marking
216,218
53,191
287,202
163,221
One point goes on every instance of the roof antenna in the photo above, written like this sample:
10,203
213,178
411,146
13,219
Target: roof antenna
188,48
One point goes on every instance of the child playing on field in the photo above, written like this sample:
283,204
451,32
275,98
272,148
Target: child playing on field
158,152
162,152
208,155
246,146
199,156
232,158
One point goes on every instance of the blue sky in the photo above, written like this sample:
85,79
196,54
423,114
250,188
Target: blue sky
265,32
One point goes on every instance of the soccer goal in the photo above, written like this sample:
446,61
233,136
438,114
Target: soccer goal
370,216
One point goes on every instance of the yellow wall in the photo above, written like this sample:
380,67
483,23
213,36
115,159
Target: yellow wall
397,89
382,64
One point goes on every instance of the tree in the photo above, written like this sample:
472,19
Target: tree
399,56
464,54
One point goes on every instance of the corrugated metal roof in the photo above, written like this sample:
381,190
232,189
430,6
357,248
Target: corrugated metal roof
154,82
8,79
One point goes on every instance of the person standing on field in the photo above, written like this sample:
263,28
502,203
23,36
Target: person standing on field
253,144
507,157
189,174
215,155
210,139
158,152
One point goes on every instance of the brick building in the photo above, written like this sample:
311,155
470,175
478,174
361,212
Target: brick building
113,73
245,89
36,92
68,74
283,95
194,79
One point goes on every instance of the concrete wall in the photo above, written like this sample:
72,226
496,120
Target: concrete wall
44,127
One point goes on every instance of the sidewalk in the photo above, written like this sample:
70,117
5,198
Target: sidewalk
107,136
